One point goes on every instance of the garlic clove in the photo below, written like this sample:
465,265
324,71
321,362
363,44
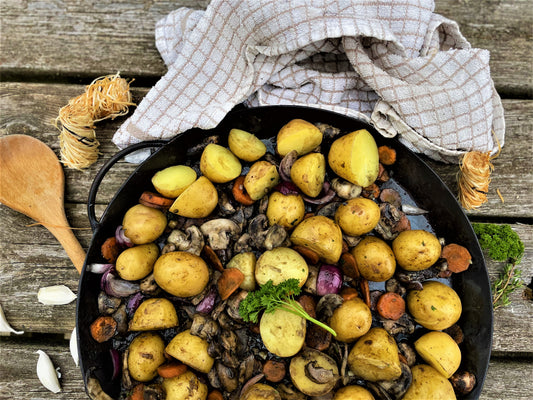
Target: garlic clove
46,372
73,343
4,325
55,295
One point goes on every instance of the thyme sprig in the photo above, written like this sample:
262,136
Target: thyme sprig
510,279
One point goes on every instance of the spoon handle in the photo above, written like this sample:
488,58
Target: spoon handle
71,245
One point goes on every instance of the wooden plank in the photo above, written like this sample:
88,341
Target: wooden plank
73,39
30,108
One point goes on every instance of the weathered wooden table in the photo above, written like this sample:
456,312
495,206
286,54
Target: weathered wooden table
51,49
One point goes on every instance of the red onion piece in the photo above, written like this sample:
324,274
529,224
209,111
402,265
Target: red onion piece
97,268
252,381
208,302
133,303
329,280
287,188
115,358
116,287
121,238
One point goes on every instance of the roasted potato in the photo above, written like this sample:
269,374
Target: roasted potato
152,314
280,264
172,181
353,392
375,259
136,262
181,273
260,391
308,363
440,351
308,173
245,262
260,179
191,350
246,146
351,320
287,210
197,201
145,353
321,235
357,216
186,386
428,383
142,224
354,157
416,249
436,307
282,332
219,164
298,135
374,357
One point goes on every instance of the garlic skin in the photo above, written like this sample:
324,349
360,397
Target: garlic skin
55,295
73,344
46,372
4,325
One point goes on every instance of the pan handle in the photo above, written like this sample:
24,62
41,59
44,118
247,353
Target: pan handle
106,167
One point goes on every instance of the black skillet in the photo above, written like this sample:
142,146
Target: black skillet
419,184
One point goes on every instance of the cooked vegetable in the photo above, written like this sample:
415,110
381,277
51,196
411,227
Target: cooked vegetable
155,200
416,249
457,257
187,204
282,331
314,373
351,320
440,351
321,235
246,146
260,179
374,259
103,328
274,371
172,181
145,355
428,383
390,305
171,369
357,216
329,280
185,387
137,262
260,391
270,297
279,264
308,173
245,262
190,350
230,280
219,164
153,314
298,135
354,157
143,224
353,392
387,155
239,192
110,250
285,210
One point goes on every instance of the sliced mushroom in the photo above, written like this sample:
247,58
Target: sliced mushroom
326,305
463,382
204,327
275,236
318,374
196,150
191,240
394,285
329,209
219,232
225,205
227,376
257,229
212,377
395,389
404,325
286,164
242,245
408,352
391,196
148,285
392,221
233,304
121,317
107,304
344,189
329,132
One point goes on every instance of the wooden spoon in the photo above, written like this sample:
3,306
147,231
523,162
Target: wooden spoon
32,182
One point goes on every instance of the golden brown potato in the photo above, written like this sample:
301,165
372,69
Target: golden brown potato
436,307
280,264
186,386
321,235
440,351
137,262
308,173
260,391
282,332
219,164
357,216
305,364
260,179
416,249
245,262
355,157
374,357
351,320
353,392
285,210
172,181
191,350
298,135
246,146
181,273
428,383
145,353
197,201
143,224
375,259
152,314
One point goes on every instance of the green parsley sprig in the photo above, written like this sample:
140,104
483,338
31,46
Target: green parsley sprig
270,297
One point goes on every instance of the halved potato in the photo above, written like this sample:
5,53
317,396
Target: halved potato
145,354
186,386
152,314
321,235
282,332
246,146
279,264
172,181
260,179
219,164
197,201
191,350
440,351
245,262
298,135
305,364
428,383
308,173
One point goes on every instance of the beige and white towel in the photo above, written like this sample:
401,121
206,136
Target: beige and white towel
394,63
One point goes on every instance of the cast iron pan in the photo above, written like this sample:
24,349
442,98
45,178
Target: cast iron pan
410,175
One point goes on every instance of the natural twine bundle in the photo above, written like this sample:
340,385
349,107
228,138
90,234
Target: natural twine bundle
107,97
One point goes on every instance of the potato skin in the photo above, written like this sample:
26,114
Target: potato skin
280,264
428,383
173,180
299,377
351,320
375,259
260,391
185,387
321,235
181,273
145,354
353,392
245,145
282,332
191,350
152,314
285,210
357,216
308,173
298,135
416,249
436,307
142,224
187,204
440,351
136,262
260,179
219,164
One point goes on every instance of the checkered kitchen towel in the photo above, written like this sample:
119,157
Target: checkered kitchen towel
393,63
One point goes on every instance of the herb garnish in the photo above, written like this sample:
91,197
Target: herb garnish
271,297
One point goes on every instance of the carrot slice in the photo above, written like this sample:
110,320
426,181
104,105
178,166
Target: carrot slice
308,304
349,293
387,155
215,395
371,192
137,393
457,257
171,370
212,258
239,192
103,328
110,250
274,370
348,265
391,306
365,291
154,200
229,282
311,256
